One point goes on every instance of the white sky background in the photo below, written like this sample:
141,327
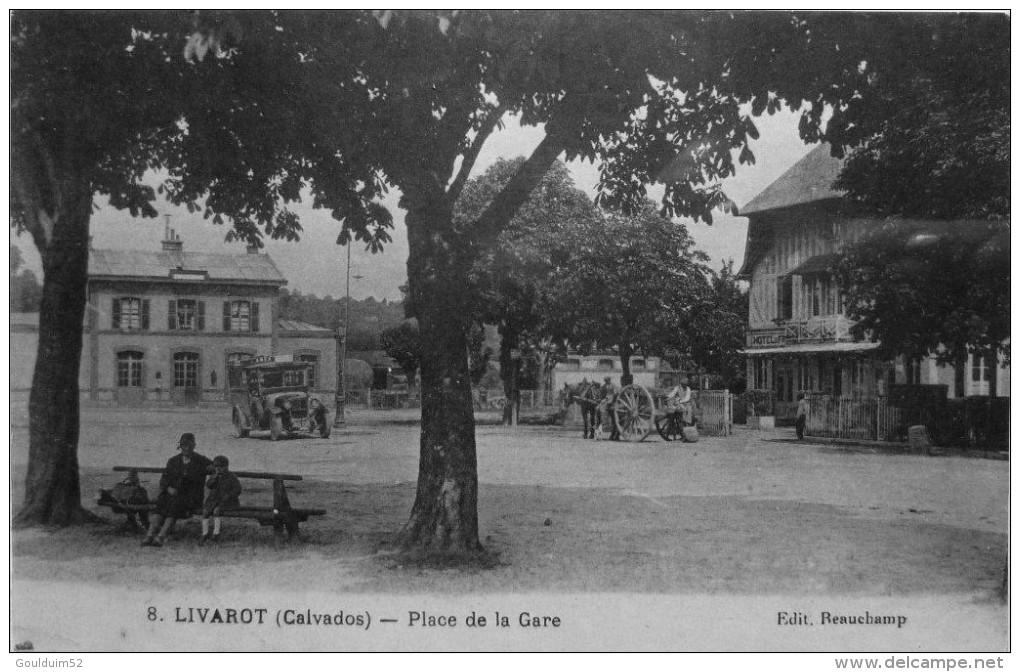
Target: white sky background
315,264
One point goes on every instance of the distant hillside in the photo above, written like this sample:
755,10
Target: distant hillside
368,317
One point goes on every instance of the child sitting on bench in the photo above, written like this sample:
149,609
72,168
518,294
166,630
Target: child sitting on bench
222,493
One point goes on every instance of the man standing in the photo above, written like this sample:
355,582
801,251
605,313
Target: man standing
609,392
802,411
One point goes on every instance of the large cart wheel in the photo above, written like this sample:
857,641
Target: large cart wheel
670,426
275,428
633,413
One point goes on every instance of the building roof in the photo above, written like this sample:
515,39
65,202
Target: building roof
160,265
816,265
294,325
809,180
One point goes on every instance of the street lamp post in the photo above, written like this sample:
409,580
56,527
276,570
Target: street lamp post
341,369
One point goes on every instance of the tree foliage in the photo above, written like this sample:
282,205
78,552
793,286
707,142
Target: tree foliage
932,143
509,278
921,288
365,320
403,344
934,139
712,340
626,282
24,287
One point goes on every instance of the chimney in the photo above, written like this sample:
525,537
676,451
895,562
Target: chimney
171,241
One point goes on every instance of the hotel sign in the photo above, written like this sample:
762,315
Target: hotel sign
817,331
766,337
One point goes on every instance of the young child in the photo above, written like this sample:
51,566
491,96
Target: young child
222,493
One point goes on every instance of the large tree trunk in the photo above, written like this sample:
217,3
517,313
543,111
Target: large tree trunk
625,354
444,517
52,485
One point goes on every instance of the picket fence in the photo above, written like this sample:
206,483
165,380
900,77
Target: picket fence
863,418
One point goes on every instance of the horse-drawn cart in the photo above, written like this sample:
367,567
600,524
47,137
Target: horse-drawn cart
635,415
632,411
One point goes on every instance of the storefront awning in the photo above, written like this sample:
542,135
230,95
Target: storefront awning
800,348
816,265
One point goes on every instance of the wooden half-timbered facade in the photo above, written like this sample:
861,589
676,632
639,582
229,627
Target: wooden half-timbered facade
798,337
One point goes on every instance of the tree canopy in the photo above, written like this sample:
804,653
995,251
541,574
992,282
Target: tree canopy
920,288
712,340
626,282
403,344
934,139
509,278
932,154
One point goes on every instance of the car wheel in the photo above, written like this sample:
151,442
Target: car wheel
239,429
275,428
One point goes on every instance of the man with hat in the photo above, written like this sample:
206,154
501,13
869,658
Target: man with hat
180,490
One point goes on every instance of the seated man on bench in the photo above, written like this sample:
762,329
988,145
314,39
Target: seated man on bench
181,490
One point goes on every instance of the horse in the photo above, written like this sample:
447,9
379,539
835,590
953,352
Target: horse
588,396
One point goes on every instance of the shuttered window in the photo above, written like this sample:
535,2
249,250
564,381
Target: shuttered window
242,316
130,312
187,315
784,297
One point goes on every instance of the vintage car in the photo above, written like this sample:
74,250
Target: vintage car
273,397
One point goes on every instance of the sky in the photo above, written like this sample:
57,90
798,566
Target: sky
317,265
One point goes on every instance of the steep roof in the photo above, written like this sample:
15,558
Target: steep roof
159,265
809,180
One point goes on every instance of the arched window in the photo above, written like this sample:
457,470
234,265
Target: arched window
605,365
129,368
637,365
572,365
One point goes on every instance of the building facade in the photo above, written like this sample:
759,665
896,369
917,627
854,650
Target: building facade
175,326
798,337
650,372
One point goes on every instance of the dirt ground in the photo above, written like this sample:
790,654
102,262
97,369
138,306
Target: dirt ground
742,516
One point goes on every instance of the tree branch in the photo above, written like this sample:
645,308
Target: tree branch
502,209
25,182
471,155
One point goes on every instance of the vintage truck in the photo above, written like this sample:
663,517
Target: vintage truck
273,397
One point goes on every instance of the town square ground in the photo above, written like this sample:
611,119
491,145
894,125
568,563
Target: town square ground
747,542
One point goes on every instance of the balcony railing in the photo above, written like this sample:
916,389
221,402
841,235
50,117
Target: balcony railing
814,330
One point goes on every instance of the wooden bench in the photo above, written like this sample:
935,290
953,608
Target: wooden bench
281,516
